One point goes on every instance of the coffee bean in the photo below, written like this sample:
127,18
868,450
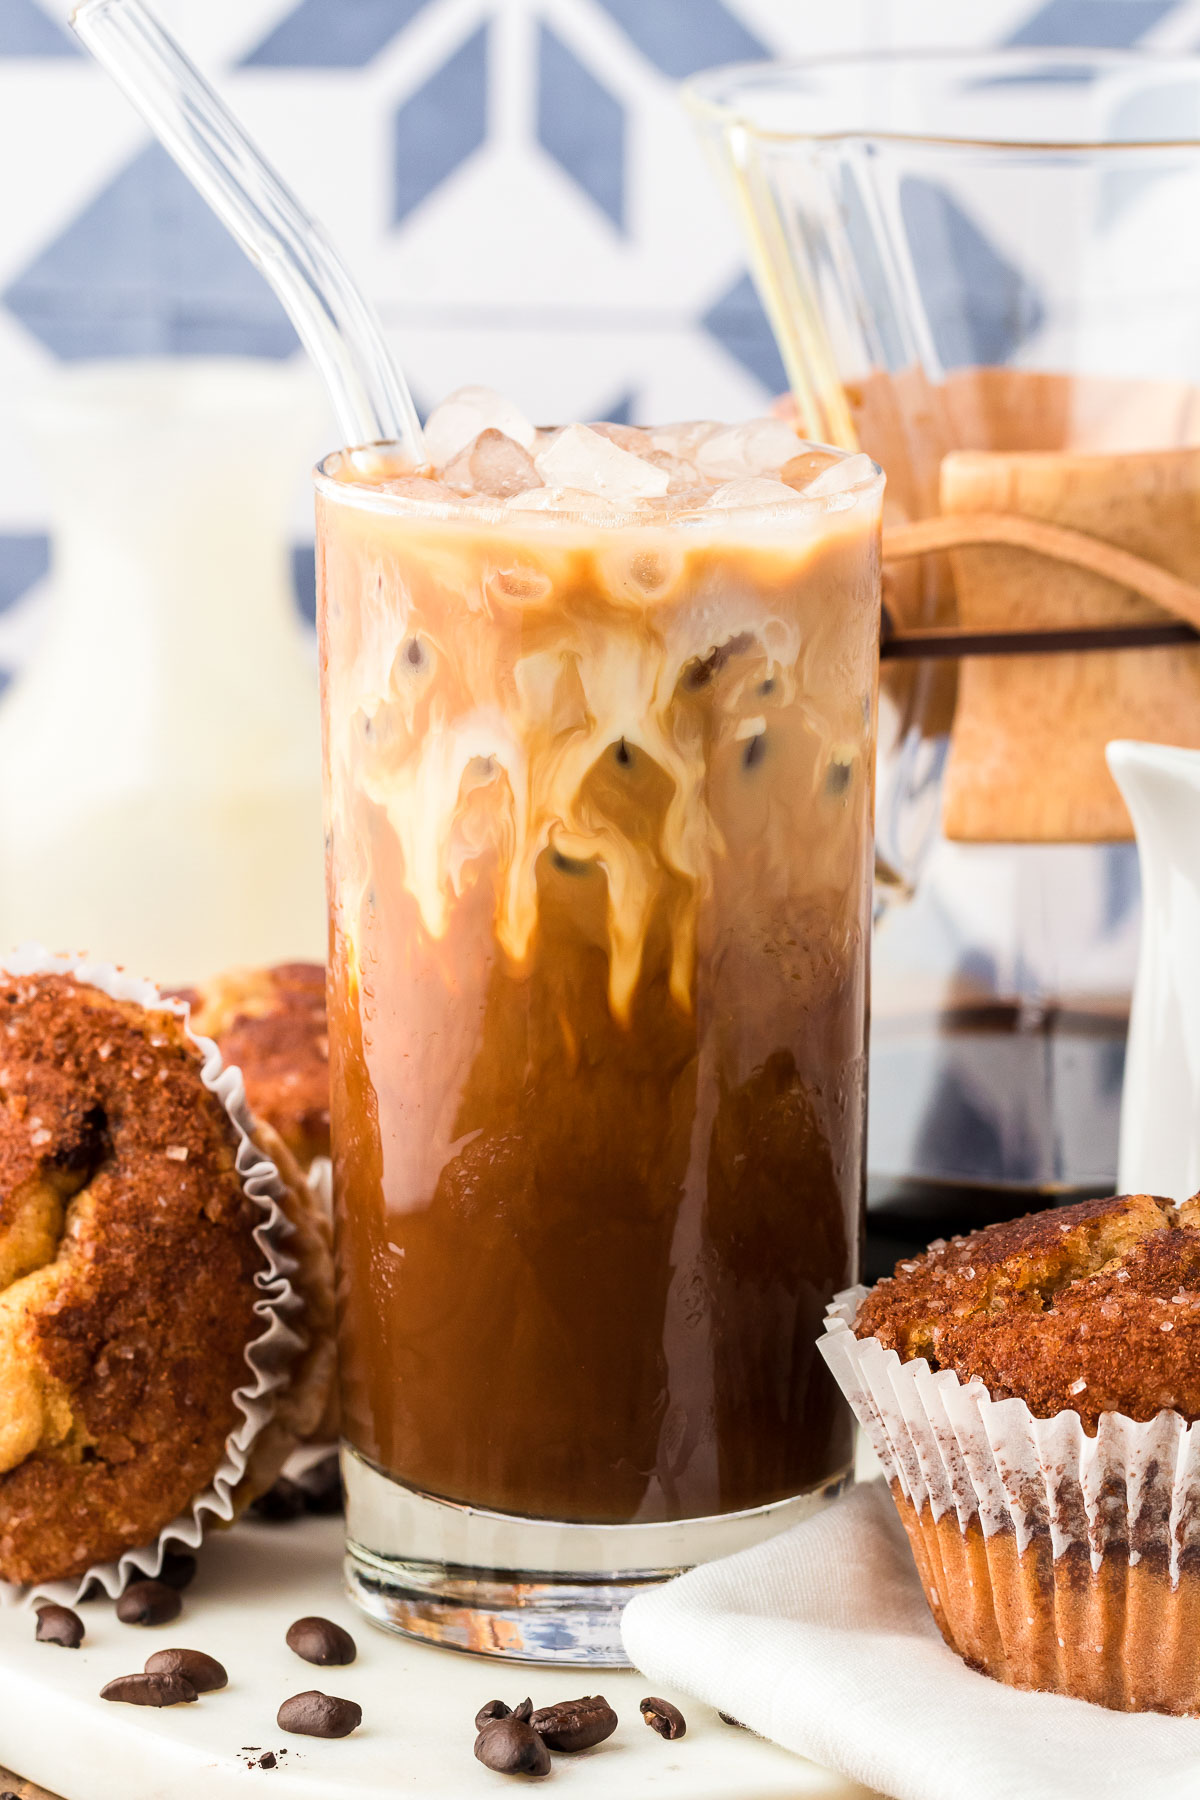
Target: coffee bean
512,1747
178,1569
59,1625
492,1709
321,1641
149,1603
313,1714
575,1724
267,1760
523,1711
280,1503
149,1690
204,1672
664,1718
321,1486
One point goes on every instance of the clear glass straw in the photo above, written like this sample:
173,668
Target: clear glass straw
336,324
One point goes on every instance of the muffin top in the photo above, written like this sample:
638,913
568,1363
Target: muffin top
1091,1308
271,1023
128,1270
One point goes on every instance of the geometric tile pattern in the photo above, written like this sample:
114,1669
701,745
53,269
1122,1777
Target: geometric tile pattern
440,125
513,179
740,325
304,581
980,307
1094,24
25,30
332,34
24,559
581,125
146,269
680,41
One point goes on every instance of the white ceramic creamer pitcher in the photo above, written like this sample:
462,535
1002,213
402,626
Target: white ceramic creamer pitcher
1160,1104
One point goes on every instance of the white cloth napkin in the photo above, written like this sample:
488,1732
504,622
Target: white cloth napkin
821,1640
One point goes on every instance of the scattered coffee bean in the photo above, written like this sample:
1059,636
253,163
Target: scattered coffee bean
313,1714
59,1625
149,1603
267,1760
664,1718
280,1503
321,1486
149,1690
321,1641
178,1569
523,1711
575,1724
493,1709
204,1672
512,1747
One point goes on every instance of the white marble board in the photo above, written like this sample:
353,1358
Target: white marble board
418,1705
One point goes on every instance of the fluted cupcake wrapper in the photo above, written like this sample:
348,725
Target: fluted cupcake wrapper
1050,1559
269,1356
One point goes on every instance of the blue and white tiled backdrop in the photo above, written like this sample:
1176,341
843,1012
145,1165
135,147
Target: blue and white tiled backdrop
513,180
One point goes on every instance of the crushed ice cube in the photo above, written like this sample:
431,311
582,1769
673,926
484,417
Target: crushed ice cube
493,464
850,472
750,449
683,438
464,414
627,437
561,500
682,476
804,469
422,487
581,458
752,490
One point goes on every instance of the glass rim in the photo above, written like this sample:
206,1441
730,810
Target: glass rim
369,496
719,96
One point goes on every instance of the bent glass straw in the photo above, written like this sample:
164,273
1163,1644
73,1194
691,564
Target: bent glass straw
334,320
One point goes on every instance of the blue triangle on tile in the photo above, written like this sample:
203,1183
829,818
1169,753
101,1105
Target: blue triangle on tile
333,34
146,269
581,125
304,586
621,411
25,30
980,306
24,559
682,36
739,323
1091,24
439,126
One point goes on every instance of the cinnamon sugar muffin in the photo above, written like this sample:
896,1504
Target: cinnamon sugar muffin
129,1279
271,1024
1032,1391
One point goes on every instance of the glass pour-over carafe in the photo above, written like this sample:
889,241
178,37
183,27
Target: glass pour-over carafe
983,271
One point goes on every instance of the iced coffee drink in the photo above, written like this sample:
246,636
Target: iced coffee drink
599,713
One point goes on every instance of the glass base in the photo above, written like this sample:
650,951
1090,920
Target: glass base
529,1590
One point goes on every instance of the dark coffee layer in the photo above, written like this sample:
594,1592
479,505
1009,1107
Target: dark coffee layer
598,1094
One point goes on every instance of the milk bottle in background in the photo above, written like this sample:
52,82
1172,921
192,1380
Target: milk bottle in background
160,754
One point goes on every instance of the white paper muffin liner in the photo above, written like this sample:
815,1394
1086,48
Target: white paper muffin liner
269,1356
1132,1490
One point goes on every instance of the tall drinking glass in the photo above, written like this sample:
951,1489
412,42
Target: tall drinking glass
599,814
